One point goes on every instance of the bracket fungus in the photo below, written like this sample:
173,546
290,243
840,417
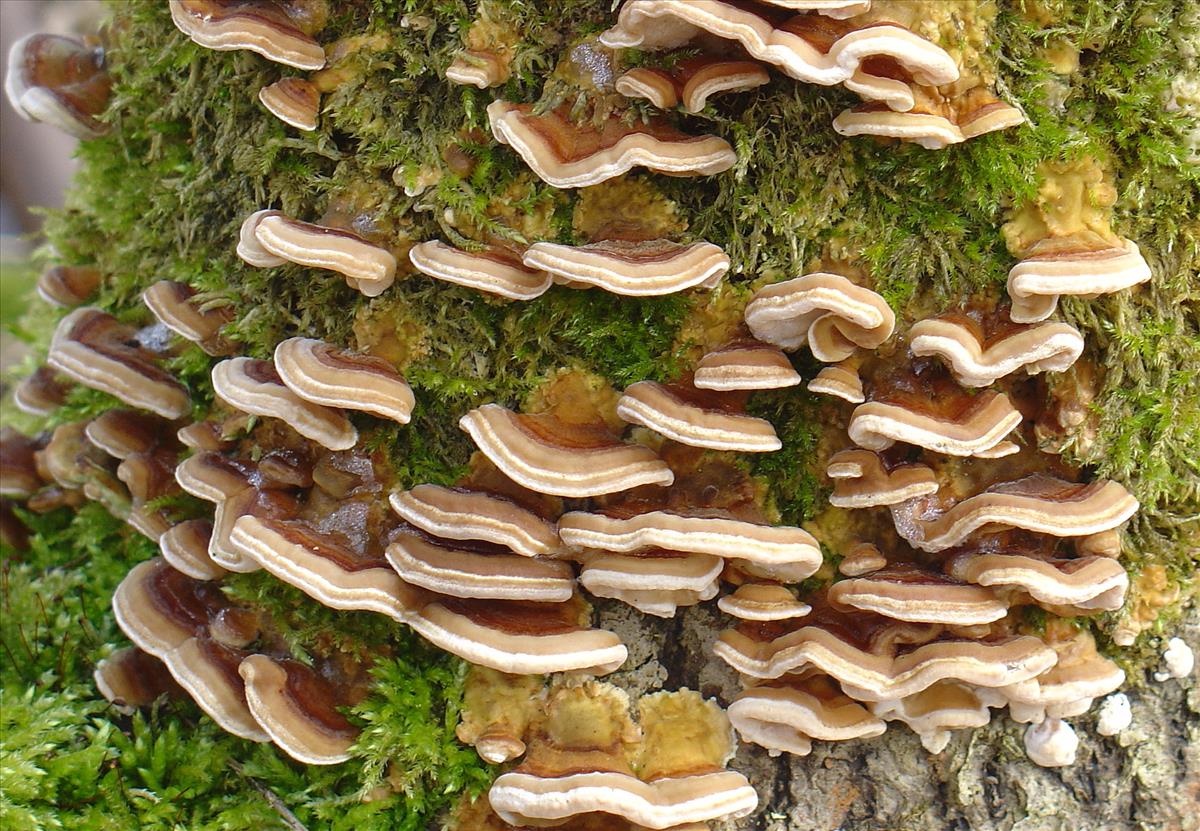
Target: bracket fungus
807,47
745,365
786,716
175,307
654,581
763,601
294,101
324,374
584,749
825,311
255,387
837,9
167,614
1056,267
93,348
905,592
548,455
933,121
262,26
367,267
957,426
461,514
58,80
691,82
249,249
185,547
479,68
1037,502
697,418
569,155
68,286
865,479
493,269
41,392
636,269
130,678
981,349
840,381
477,570
862,558
298,709
938,709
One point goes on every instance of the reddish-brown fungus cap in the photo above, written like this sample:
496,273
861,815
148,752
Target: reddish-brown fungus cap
58,80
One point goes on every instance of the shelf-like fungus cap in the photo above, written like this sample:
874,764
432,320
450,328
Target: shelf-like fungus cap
826,311
721,536
250,249
691,82
1037,502
1055,267
68,286
185,547
167,614
479,68
695,418
18,464
326,374
254,387
459,514
636,269
653,581
862,558
1079,677
905,592
41,392
212,477
57,80
122,433
547,455
260,26
975,428
323,566
864,479
174,306
763,601
1084,584
477,570
367,267
569,155
961,118
294,101
933,712
520,637
980,353
492,269
205,436
841,381
837,9
785,718
91,347
745,365
862,651
298,708
132,678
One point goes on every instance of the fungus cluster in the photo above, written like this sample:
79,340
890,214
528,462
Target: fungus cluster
914,89
920,630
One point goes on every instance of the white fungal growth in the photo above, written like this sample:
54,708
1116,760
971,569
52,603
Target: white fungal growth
1115,715
1178,659
1051,744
